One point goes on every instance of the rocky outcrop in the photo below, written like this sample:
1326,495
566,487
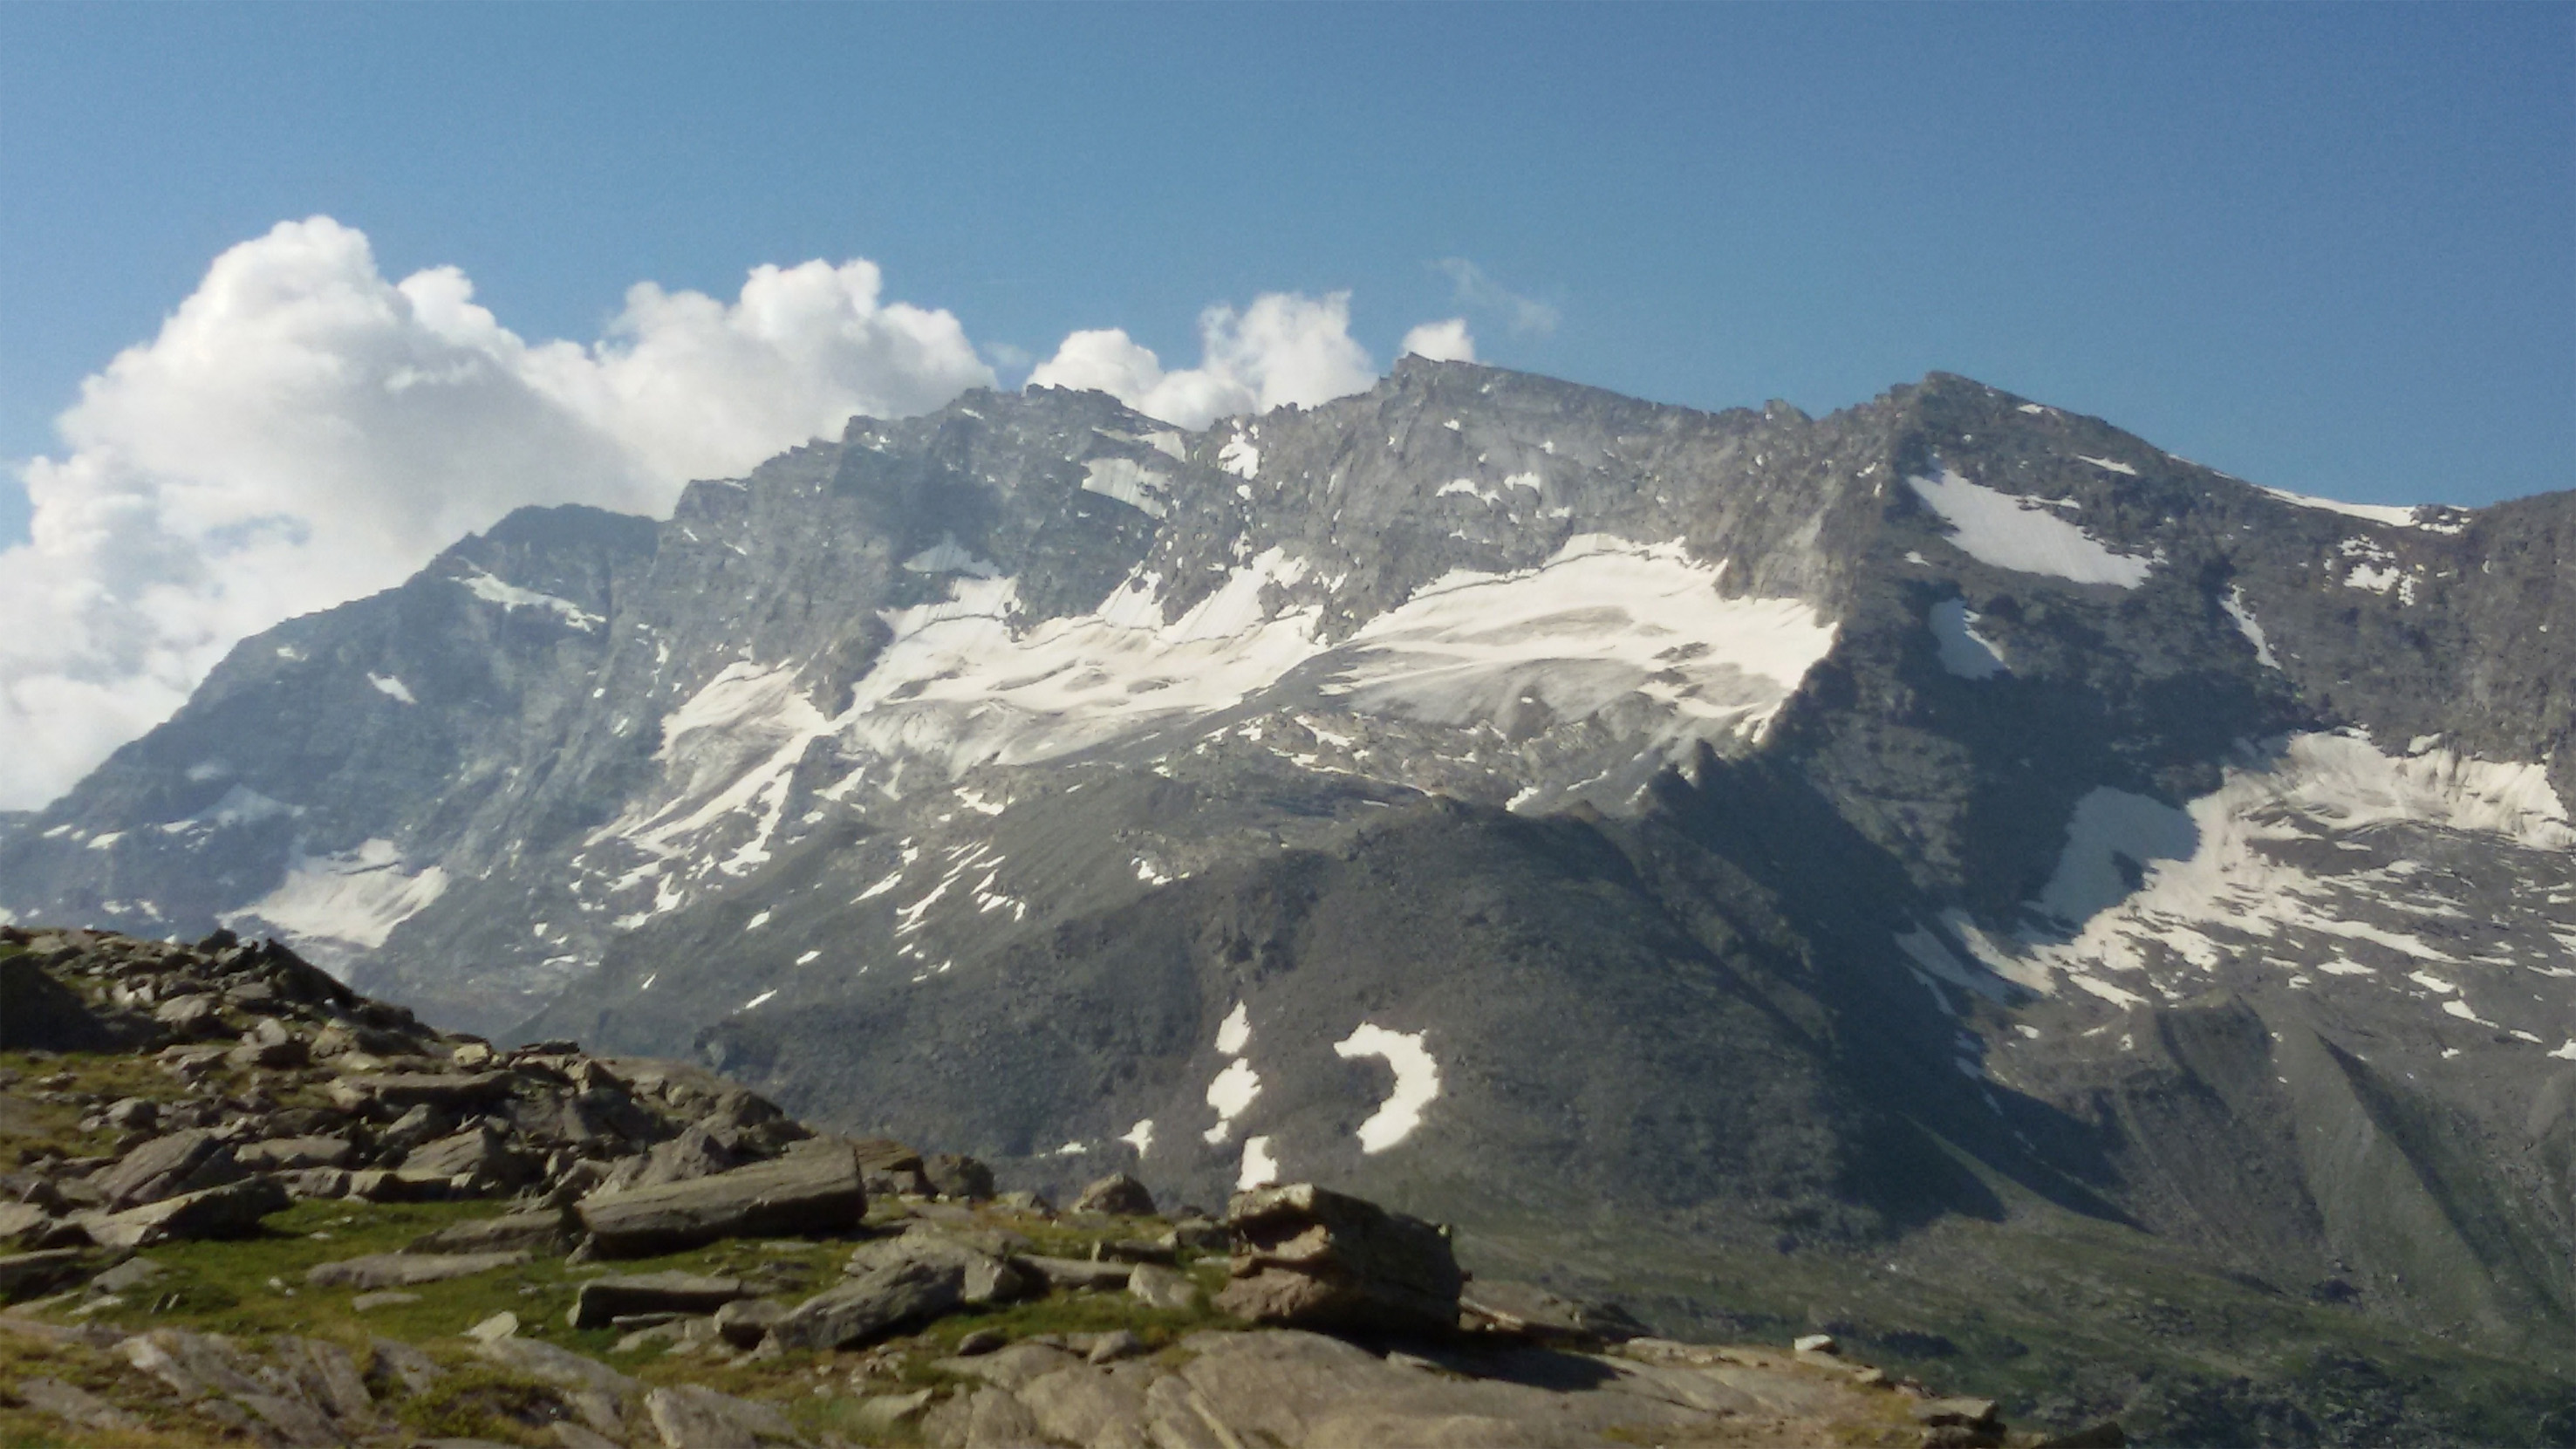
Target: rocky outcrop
1308,1257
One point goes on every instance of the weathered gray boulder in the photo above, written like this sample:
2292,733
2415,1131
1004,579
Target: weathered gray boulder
1159,1287
191,1016
1310,1258
543,1231
402,1270
695,1153
377,1184
954,1175
192,1365
481,1154
872,1305
324,1182
1077,1272
133,1114
395,1092
286,1154
230,1211
419,1123
1118,1195
268,1043
602,1301
328,1376
746,1321
166,1167
24,1275
986,1277
20,1219
1525,1310
814,1191
692,1416
889,1167
558,1366
75,1406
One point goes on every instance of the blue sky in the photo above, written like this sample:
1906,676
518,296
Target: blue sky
2328,248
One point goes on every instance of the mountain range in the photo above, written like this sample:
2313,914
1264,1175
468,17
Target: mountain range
1949,873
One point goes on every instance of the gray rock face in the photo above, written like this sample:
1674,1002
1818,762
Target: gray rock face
803,1192
1514,800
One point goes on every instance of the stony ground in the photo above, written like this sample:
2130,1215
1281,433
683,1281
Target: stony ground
244,1205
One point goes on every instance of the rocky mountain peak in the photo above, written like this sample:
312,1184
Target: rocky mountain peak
1808,834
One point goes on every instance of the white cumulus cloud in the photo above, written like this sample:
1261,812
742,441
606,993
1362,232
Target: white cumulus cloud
1440,341
1284,348
304,431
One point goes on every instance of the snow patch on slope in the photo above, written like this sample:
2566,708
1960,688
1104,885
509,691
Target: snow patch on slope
2017,533
2237,610
1604,623
731,748
1964,652
353,899
2140,883
958,684
1128,481
1417,1082
2401,515
491,590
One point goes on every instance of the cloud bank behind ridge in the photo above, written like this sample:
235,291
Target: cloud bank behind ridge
304,431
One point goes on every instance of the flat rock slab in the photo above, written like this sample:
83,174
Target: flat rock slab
544,1230
406,1090
403,1270
1077,1272
803,1192
287,1153
601,1301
